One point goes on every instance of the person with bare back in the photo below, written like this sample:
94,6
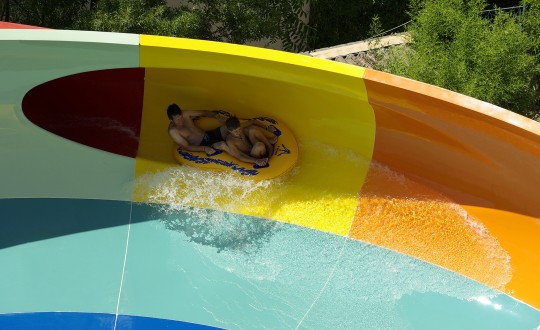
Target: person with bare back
247,142
185,133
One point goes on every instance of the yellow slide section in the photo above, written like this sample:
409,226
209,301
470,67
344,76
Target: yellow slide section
323,103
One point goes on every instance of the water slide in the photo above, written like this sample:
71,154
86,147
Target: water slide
410,206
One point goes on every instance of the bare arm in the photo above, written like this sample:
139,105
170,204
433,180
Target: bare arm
179,139
196,114
241,156
200,113
255,122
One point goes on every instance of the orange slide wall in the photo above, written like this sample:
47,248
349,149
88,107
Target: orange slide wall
454,148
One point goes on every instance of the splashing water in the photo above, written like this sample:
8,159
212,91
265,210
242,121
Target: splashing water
204,193
303,196
206,206
404,215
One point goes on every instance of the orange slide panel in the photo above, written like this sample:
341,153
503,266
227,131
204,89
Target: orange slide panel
463,161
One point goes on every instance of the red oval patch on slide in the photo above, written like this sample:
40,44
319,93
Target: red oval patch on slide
100,109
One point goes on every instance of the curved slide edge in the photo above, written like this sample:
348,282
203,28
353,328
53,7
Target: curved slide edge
477,153
479,156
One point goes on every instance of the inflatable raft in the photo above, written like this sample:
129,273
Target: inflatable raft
282,160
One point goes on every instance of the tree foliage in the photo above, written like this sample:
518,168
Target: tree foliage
4,10
241,21
56,14
530,22
140,16
238,21
454,46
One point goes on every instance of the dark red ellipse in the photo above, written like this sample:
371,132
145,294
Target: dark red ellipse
100,109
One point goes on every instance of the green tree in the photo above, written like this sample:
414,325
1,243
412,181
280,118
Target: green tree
530,22
4,10
242,21
455,47
56,14
140,16
238,21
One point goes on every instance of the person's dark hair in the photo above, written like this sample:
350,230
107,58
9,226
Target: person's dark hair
232,123
173,110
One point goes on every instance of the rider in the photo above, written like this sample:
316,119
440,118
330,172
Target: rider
185,133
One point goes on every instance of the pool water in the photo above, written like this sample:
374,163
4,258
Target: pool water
123,259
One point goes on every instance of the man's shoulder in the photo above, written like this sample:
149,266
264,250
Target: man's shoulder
173,130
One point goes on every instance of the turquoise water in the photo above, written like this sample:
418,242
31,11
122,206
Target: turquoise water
233,272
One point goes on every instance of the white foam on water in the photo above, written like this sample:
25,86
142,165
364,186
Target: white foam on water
202,205
495,259
206,205
194,191
393,176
